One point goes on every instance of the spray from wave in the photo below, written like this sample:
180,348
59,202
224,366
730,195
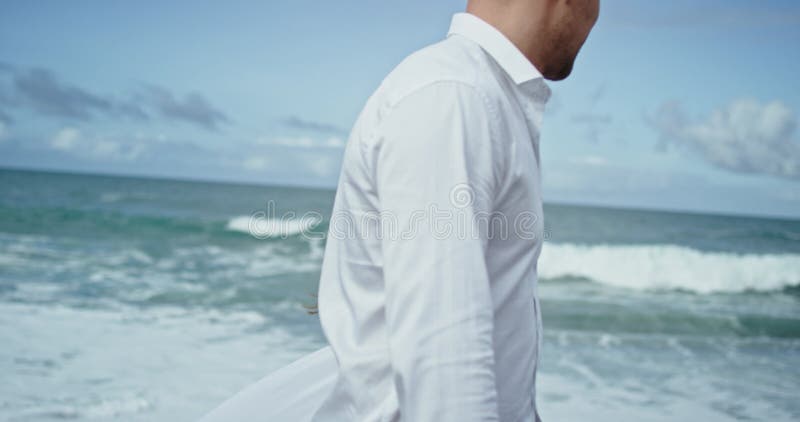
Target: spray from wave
670,267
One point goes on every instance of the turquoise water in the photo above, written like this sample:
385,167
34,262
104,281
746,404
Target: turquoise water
148,300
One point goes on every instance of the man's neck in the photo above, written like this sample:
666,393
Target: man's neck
513,19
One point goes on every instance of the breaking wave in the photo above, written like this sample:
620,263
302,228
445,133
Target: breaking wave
670,267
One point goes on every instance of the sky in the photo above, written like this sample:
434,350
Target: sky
679,105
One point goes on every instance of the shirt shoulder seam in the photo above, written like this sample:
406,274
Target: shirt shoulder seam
368,141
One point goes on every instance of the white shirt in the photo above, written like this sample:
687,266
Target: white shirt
429,323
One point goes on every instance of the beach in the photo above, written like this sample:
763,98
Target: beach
143,299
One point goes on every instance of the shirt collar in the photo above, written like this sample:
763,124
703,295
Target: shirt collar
504,52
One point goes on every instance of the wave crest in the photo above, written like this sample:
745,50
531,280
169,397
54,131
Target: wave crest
271,227
670,267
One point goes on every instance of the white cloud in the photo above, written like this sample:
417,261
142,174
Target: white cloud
76,143
105,148
302,142
303,156
590,160
66,139
744,137
335,142
323,166
256,163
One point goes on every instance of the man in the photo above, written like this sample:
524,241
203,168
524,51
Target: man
438,319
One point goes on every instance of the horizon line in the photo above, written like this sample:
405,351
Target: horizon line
327,187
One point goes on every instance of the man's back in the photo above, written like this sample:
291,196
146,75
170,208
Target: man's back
428,288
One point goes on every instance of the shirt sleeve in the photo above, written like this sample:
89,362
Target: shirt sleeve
435,180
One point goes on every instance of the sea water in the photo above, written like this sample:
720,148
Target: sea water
140,299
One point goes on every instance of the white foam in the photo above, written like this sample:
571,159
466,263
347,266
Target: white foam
271,227
111,197
133,364
670,267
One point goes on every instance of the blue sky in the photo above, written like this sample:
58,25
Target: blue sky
687,105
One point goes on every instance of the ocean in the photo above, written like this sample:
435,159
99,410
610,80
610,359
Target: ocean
139,299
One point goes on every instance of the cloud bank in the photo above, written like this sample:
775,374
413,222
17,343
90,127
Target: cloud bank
193,108
743,137
309,125
42,92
